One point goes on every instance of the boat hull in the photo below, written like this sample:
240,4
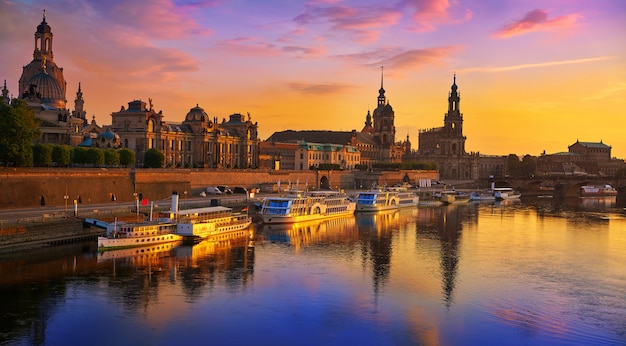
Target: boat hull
279,219
121,243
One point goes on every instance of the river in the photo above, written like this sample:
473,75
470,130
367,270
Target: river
537,272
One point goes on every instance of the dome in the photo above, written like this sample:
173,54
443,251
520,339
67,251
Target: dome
107,135
48,88
43,27
196,114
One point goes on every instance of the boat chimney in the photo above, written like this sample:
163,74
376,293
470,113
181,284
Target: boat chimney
174,202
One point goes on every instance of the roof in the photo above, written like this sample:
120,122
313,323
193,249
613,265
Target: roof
334,137
593,144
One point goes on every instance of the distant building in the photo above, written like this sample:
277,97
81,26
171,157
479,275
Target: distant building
196,142
445,147
375,143
582,158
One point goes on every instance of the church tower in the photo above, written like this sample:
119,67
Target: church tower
453,120
453,140
384,129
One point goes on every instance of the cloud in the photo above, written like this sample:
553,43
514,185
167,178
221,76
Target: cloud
397,58
426,13
319,89
538,65
536,20
157,19
249,46
362,22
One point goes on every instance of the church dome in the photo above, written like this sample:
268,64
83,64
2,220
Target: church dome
48,89
43,27
196,114
107,135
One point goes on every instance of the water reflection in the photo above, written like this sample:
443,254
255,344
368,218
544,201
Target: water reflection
530,272
226,259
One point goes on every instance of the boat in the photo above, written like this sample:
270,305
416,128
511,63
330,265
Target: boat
126,235
209,221
378,200
454,197
485,195
501,193
298,206
597,191
429,199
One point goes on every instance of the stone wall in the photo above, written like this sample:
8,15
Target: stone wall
24,187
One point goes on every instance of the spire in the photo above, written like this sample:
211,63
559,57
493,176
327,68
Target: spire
5,91
381,91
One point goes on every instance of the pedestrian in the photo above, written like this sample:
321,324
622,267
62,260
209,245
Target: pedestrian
113,198
42,200
79,199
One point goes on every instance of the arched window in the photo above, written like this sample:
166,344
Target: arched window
151,125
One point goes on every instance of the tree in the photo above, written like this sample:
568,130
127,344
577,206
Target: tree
62,155
80,155
42,155
127,157
513,165
153,158
528,166
95,156
20,126
112,157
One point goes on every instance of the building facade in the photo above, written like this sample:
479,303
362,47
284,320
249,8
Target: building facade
198,141
582,158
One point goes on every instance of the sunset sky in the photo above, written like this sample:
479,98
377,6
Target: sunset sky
533,75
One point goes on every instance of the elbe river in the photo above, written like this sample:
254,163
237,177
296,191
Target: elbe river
536,272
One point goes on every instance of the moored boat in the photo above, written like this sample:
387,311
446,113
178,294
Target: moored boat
485,195
209,221
502,193
597,191
454,197
298,206
378,200
138,234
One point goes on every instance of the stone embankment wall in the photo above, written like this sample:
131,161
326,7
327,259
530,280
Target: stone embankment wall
14,237
25,187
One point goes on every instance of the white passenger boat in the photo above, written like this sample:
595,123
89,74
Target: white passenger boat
378,200
502,193
298,206
138,234
210,221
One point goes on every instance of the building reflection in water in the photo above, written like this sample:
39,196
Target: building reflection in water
227,257
444,224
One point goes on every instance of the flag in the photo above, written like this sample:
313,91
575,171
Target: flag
144,201
244,209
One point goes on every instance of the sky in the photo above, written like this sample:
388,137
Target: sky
534,76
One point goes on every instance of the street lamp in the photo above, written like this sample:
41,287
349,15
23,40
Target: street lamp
66,197
136,205
185,192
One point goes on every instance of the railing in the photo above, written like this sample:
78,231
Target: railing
63,215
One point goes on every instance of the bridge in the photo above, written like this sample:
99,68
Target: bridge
561,186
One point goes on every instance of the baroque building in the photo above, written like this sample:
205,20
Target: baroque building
198,141
43,87
445,146
582,158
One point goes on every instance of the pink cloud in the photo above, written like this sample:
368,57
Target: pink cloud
320,89
536,20
427,13
418,58
359,21
159,19
249,46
